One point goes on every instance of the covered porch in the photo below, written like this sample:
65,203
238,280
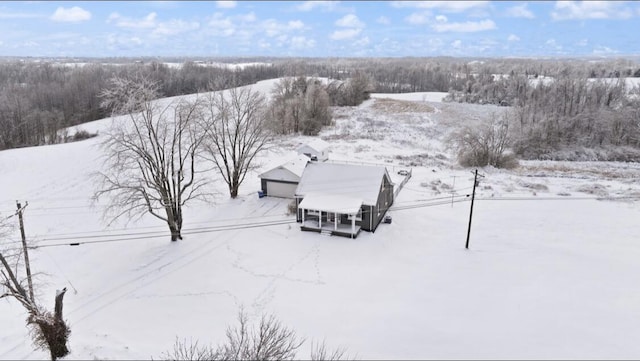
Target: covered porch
331,214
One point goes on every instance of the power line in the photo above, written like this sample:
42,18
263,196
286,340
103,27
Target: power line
130,236
187,232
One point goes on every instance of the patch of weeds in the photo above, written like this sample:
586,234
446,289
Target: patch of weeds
534,186
595,189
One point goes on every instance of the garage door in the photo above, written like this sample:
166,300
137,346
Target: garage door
283,190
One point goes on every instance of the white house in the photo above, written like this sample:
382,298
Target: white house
342,199
317,148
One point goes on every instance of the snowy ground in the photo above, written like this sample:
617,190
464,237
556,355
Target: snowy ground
551,272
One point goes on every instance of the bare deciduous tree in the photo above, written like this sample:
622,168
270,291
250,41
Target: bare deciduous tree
300,105
235,133
484,143
150,160
49,331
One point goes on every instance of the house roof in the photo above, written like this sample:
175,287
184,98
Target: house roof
295,166
355,181
317,144
331,203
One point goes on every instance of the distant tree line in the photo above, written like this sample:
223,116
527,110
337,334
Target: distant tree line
38,99
566,112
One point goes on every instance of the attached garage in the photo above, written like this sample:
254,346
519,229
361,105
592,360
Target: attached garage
281,189
282,180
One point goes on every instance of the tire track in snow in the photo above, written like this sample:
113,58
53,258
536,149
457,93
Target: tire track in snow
127,288
201,252
266,295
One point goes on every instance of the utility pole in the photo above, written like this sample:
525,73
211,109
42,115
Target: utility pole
24,248
453,190
473,196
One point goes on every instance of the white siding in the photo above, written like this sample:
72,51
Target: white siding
281,174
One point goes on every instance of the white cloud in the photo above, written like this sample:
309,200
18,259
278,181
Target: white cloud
301,42
362,42
513,37
6,15
174,27
74,14
345,34
603,50
551,43
350,21
312,5
227,25
445,6
417,18
248,18
441,19
466,27
117,42
264,44
272,27
383,20
31,44
581,10
457,44
148,21
520,11
295,24
583,42
226,4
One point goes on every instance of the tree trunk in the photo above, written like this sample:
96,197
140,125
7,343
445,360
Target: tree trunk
175,233
57,333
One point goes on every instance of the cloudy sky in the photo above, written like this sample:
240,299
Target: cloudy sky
319,28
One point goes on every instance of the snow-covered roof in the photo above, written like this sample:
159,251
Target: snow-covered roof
355,181
295,166
331,203
317,144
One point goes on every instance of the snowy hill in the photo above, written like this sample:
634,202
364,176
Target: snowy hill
551,271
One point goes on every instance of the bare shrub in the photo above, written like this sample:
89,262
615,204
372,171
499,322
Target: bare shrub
292,208
189,350
534,186
484,144
319,352
269,341
82,135
595,189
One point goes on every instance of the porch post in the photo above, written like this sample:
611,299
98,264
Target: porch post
353,224
320,220
335,223
302,215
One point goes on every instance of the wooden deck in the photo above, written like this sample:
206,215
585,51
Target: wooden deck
343,230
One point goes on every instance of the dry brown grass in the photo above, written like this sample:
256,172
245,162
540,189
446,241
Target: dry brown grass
575,171
393,106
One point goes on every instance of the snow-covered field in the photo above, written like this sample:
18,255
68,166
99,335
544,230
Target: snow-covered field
552,270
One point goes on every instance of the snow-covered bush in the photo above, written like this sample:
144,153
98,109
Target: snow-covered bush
484,143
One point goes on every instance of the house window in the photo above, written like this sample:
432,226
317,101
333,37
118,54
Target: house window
311,212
